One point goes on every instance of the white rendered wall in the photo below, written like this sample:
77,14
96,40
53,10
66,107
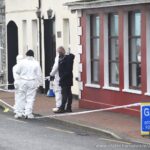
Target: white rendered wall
19,11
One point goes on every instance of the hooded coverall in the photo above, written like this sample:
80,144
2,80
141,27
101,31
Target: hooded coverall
16,78
57,88
30,78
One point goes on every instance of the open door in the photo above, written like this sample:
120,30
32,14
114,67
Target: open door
50,46
12,45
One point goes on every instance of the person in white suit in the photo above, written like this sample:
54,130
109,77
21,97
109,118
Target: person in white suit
30,78
16,79
57,89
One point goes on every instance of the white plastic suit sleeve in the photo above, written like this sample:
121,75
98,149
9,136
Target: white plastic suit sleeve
39,75
55,66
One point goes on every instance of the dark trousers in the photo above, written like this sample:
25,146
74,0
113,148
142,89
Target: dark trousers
66,97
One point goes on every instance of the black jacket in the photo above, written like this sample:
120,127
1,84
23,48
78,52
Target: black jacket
65,70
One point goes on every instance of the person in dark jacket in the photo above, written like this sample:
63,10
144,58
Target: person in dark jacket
65,69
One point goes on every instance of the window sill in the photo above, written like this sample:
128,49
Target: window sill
92,85
111,88
132,91
147,94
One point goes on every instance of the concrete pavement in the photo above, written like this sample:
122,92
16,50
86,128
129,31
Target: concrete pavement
115,124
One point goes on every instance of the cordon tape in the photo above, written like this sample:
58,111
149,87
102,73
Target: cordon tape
12,91
81,112
70,114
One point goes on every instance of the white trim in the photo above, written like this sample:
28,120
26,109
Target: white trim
80,94
81,85
132,91
79,76
78,58
147,94
79,13
80,67
103,4
92,85
79,31
148,50
78,40
42,52
88,62
106,66
79,49
21,11
111,88
126,52
78,22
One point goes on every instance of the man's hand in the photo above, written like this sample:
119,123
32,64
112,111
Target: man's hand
47,78
52,78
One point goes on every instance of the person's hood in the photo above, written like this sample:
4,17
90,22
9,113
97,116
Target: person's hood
19,58
30,58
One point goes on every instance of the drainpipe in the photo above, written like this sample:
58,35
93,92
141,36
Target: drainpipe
38,13
40,34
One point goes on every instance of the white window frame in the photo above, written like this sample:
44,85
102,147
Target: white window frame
148,52
1,49
35,43
126,58
88,57
106,61
24,36
1,61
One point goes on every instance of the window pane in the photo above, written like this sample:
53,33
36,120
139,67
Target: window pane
135,75
134,49
114,53
135,25
1,36
114,72
113,50
135,46
95,48
114,24
95,71
95,25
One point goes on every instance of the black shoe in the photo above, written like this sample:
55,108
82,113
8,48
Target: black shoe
68,110
60,111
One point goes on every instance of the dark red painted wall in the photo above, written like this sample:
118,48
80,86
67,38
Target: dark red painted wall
101,98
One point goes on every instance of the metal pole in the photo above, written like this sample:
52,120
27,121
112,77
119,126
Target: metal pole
39,3
40,41
40,36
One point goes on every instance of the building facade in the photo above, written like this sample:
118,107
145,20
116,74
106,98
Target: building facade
41,25
2,43
114,54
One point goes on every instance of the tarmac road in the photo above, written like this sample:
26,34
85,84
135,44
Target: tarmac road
46,134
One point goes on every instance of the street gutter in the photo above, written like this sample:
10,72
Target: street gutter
97,131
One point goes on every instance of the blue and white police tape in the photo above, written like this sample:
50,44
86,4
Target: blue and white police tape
81,112
12,91
1,85
6,104
90,111
6,90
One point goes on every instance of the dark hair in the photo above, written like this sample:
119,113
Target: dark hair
30,53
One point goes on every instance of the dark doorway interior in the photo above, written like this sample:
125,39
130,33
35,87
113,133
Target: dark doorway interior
12,42
50,47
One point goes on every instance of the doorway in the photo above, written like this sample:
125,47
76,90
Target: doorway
12,45
50,46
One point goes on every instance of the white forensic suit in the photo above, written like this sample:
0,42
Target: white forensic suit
16,79
57,88
30,78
